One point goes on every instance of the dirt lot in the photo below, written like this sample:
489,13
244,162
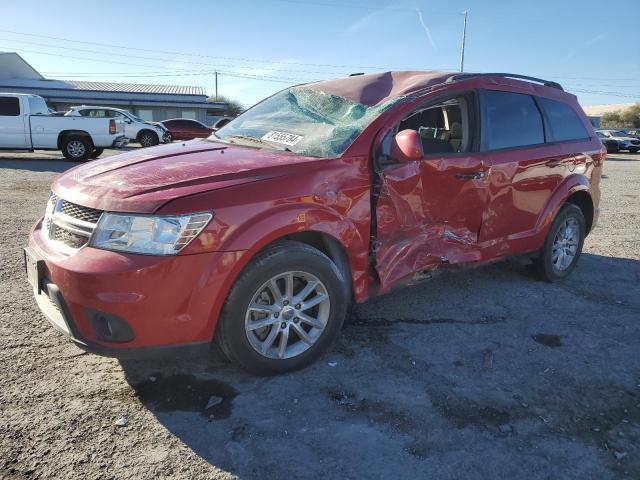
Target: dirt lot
486,374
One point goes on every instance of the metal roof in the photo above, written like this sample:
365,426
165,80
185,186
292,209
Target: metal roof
13,65
136,88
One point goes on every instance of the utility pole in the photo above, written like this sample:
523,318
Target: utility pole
464,39
216,75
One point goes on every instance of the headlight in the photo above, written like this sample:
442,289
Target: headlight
148,234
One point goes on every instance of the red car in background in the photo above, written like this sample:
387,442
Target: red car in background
259,237
186,129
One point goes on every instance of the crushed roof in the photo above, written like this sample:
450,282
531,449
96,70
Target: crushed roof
376,88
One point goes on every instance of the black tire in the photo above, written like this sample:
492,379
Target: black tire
147,138
281,257
77,148
97,152
611,148
634,150
544,263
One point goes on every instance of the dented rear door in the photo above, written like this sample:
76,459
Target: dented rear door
428,213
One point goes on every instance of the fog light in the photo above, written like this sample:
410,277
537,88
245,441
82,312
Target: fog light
110,328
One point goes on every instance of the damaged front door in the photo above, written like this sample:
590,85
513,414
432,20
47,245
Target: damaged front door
429,211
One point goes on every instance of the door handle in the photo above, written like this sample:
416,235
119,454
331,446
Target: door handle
470,176
553,163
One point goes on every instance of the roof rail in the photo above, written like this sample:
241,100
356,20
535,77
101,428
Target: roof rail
466,76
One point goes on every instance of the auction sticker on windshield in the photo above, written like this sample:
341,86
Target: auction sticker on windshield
282,137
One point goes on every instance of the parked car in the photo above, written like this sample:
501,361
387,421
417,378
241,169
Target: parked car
221,122
635,133
27,124
186,129
625,142
610,144
259,237
137,130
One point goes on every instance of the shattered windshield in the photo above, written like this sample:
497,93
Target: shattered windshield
302,120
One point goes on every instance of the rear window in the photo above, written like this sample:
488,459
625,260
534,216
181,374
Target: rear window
38,106
564,122
9,107
510,120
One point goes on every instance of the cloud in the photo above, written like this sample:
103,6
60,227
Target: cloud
588,43
426,30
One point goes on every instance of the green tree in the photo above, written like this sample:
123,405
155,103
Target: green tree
611,120
233,109
627,118
631,116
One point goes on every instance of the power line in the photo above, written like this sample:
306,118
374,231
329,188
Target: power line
228,73
363,7
125,55
169,52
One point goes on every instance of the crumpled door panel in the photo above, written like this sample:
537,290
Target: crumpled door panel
427,216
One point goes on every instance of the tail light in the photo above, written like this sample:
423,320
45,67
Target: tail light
112,127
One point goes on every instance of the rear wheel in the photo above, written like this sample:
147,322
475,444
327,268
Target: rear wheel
563,245
97,152
284,310
77,148
612,148
147,138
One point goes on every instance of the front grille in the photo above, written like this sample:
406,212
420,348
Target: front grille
86,214
69,225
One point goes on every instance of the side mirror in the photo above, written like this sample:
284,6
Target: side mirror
128,120
406,146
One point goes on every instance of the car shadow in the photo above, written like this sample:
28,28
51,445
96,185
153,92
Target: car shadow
43,164
415,372
611,157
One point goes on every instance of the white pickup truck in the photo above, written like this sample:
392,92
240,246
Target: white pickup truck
26,124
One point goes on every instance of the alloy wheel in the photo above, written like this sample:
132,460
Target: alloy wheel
287,315
565,244
146,140
76,148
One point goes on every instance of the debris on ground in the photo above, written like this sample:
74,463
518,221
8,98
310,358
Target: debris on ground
333,364
619,455
121,422
487,359
213,401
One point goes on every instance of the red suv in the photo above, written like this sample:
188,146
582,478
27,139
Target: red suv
186,129
260,236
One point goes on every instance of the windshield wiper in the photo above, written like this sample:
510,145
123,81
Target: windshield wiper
247,137
256,140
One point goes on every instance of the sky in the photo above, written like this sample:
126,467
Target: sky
259,47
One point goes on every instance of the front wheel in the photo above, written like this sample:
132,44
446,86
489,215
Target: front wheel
563,244
148,139
284,311
634,150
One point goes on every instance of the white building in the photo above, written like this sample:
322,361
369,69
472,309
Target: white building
149,102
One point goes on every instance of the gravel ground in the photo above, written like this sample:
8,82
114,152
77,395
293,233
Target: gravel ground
483,374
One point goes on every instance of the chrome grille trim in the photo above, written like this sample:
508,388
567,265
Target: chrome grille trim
68,225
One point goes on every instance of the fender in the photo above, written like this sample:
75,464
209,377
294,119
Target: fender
570,185
255,234
240,247
66,133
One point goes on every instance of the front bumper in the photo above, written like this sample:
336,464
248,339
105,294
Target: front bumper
164,304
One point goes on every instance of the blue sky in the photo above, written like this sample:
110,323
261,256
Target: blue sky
261,46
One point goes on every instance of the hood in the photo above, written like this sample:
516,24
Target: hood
143,180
